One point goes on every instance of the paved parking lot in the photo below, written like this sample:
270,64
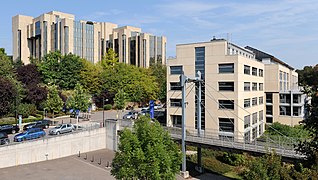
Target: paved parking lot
68,168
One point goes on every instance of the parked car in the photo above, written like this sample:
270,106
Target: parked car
9,128
158,106
32,133
4,139
62,128
44,124
131,115
144,112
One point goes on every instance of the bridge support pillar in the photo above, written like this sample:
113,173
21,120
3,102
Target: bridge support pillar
199,167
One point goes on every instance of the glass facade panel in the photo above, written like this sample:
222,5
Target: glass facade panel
261,72
261,115
247,103
200,66
159,50
78,38
45,37
254,86
66,40
254,118
37,28
254,101
261,100
89,49
152,49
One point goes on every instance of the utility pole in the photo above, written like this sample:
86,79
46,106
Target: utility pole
103,109
199,152
183,81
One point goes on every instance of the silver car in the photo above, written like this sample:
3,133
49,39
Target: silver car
62,128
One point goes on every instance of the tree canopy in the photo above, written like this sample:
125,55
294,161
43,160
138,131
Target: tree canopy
147,152
79,100
8,95
53,103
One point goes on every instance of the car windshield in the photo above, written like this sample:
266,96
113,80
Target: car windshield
58,126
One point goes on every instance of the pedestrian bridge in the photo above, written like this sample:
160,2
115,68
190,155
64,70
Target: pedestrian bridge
283,147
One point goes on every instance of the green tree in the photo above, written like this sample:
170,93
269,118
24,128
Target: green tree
50,67
159,71
147,152
91,77
8,95
53,102
308,77
120,100
79,100
110,59
70,67
266,167
6,66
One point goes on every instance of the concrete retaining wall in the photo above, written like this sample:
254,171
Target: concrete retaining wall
53,148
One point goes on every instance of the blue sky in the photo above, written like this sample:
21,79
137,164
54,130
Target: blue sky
287,29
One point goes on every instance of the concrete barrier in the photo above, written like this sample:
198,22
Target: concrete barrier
56,147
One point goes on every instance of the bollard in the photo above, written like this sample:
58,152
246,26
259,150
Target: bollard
92,160
70,121
100,161
62,121
79,153
85,156
107,165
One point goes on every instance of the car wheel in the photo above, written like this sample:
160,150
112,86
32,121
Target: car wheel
13,131
58,133
46,126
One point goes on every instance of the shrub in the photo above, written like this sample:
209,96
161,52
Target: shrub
26,109
233,159
108,107
216,166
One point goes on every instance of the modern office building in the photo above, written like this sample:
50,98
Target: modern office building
57,31
285,102
232,105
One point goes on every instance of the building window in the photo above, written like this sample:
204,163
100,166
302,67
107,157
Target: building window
226,86
261,115
260,129
269,97
176,102
247,137
226,125
254,133
175,86
176,120
247,86
254,101
254,71
284,98
226,104
254,118
261,86
261,100
280,75
247,69
260,72
269,110
254,86
284,110
247,121
176,70
226,68
296,98
247,103
269,119
296,111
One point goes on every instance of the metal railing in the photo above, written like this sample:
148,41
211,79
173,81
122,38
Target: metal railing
283,146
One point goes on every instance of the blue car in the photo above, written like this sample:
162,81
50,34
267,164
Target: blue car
32,133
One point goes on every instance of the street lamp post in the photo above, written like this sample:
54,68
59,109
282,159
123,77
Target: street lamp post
104,110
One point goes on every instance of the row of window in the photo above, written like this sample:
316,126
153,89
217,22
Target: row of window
247,86
224,69
247,102
257,116
226,86
225,104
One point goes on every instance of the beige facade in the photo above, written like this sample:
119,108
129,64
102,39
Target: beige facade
57,31
232,94
285,102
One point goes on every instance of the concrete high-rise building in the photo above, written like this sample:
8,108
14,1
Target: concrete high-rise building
57,31
232,105
285,102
